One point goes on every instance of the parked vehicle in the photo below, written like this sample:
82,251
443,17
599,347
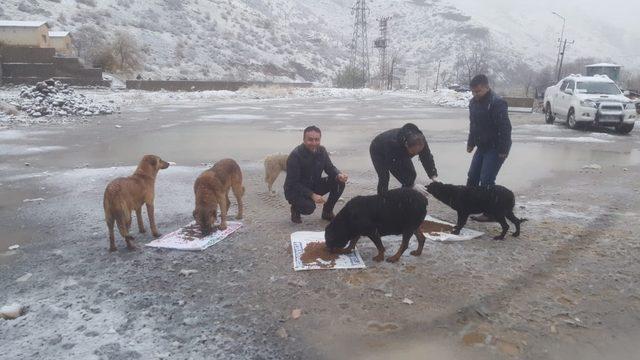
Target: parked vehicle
589,100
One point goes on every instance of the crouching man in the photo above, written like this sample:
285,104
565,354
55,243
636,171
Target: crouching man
304,185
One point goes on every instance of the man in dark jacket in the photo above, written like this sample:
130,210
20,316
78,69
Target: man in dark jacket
391,152
304,185
489,133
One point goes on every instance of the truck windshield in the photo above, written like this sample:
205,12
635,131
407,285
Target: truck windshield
597,88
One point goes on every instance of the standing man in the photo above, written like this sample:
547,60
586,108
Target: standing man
489,134
304,185
392,151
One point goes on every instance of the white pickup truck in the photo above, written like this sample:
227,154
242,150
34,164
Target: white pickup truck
589,100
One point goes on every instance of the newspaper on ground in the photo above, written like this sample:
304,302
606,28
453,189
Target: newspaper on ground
310,253
444,236
190,238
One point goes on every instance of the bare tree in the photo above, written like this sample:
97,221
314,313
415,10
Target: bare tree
89,42
472,60
126,51
524,77
543,79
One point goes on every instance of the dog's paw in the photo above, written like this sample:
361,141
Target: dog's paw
222,227
378,258
142,231
416,253
239,217
132,247
113,248
515,234
157,235
455,231
499,237
393,259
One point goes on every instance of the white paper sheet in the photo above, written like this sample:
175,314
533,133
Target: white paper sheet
465,234
178,240
299,241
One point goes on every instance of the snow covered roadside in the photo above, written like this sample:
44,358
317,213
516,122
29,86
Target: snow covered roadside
449,98
441,97
132,99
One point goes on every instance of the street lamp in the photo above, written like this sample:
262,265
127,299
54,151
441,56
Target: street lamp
564,21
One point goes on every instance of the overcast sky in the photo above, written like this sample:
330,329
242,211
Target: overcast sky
601,28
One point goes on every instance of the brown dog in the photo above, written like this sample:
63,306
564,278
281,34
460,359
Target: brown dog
126,194
212,189
273,166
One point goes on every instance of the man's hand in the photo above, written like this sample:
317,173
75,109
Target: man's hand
317,199
503,156
470,149
342,178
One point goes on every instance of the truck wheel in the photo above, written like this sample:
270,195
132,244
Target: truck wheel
571,120
624,128
548,114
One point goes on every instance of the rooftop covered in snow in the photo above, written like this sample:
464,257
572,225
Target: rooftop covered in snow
22,24
58,33
603,65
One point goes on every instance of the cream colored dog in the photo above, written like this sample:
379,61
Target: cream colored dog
273,166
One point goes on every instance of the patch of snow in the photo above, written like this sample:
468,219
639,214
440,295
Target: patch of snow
6,149
449,98
581,139
231,117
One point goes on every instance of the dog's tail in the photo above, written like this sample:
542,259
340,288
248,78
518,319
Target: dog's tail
516,220
115,212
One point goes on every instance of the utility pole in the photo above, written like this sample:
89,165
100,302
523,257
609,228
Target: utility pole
438,76
381,44
564,22
564,49
359,44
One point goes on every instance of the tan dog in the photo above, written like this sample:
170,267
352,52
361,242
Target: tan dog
126,194
212,189
273,166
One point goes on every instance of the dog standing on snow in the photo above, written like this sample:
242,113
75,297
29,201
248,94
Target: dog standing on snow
273,166
126,194
495,200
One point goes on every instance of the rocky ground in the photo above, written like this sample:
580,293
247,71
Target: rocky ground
566,289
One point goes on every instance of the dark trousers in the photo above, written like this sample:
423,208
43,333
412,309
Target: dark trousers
306,206
484,168
401,169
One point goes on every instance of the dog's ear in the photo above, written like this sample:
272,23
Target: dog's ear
153,161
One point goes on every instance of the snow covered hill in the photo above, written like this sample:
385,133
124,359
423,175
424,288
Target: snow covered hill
301,40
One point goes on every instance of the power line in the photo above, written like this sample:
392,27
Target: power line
359,44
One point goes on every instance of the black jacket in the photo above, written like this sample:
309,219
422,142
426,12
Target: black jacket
390,145
490,127
304,171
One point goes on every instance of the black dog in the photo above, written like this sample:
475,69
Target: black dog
399,211
496,201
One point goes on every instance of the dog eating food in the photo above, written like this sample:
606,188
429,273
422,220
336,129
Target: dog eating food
399,211
495,200
126,194
212,190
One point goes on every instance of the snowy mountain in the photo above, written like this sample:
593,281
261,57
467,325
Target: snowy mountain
301,40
